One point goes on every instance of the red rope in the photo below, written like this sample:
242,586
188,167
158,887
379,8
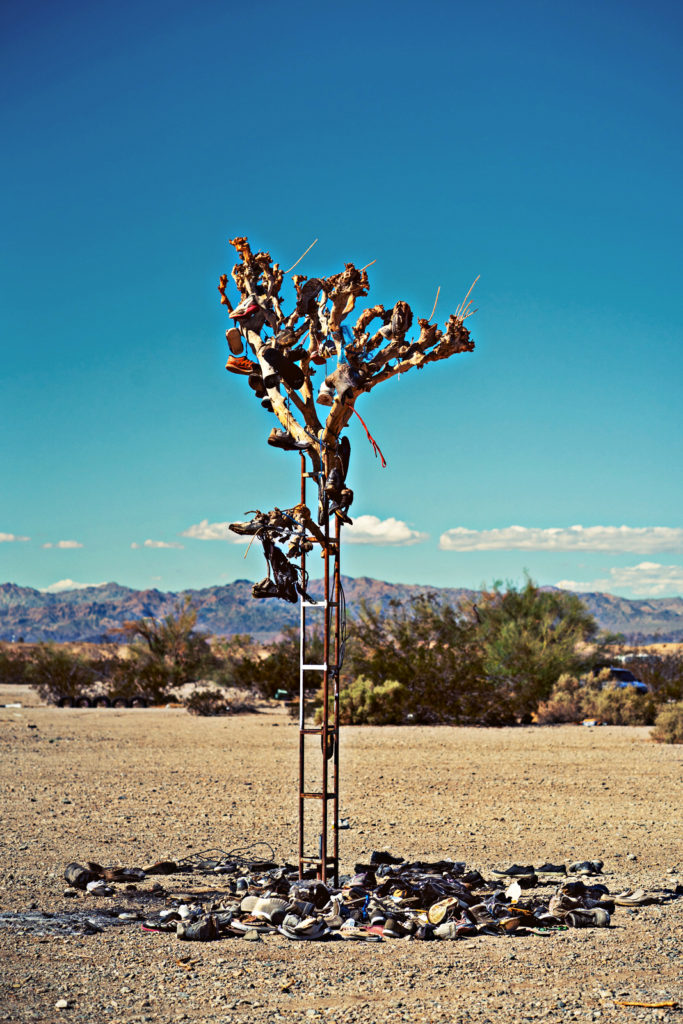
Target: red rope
376,448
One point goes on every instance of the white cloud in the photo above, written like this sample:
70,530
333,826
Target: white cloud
64,544
641,539
62,585
372,530
162,544
214,531
648,579
11,538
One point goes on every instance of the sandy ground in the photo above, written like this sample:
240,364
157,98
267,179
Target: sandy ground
129,786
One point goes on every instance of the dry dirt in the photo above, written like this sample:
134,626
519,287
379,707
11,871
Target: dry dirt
128,786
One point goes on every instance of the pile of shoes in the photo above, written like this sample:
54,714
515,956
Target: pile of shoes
386,898
280,353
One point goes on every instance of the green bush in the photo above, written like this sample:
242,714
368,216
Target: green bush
57,673
163,653
14,666
529,637
364,702
669,724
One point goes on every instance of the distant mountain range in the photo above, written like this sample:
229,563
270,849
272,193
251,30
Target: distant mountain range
91,613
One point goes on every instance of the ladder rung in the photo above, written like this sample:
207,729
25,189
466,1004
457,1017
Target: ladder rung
314,668
317,796
318,860
318,604
317,730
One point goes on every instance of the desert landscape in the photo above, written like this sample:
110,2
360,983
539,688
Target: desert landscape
125,787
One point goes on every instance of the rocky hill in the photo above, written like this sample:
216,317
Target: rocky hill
91,614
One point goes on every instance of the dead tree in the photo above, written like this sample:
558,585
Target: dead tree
374,349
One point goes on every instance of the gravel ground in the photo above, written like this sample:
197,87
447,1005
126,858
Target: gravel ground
130,786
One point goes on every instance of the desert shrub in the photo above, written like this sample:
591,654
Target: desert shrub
564,704
663,673
14,666
364,702
207,702
267,668
615,706
669,724
529,637
57,673
429,648
163,653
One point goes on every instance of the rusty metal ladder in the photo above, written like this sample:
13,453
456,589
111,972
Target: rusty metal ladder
326,864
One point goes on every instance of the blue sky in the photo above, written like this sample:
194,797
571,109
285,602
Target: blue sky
538,146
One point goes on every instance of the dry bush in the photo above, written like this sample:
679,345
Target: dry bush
669,724
207,703
616,706
564,704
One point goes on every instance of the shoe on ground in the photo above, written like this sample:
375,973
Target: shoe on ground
383,857
203,930
393,929
514,869
596,917
551,869
585,867
439,911
78,876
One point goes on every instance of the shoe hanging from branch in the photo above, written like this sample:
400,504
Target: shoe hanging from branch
280,352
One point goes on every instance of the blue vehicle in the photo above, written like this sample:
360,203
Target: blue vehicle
623,679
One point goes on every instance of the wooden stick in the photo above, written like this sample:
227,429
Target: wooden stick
366,266
459,309
434,306
300,258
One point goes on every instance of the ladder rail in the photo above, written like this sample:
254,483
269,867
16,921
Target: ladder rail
328,731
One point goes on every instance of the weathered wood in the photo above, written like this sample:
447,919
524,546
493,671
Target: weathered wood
322,305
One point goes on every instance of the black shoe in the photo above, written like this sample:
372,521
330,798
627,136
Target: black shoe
382,857
344,455
334,482
551,869
257,385
266,588
515,869
341,507
283,439
285,367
